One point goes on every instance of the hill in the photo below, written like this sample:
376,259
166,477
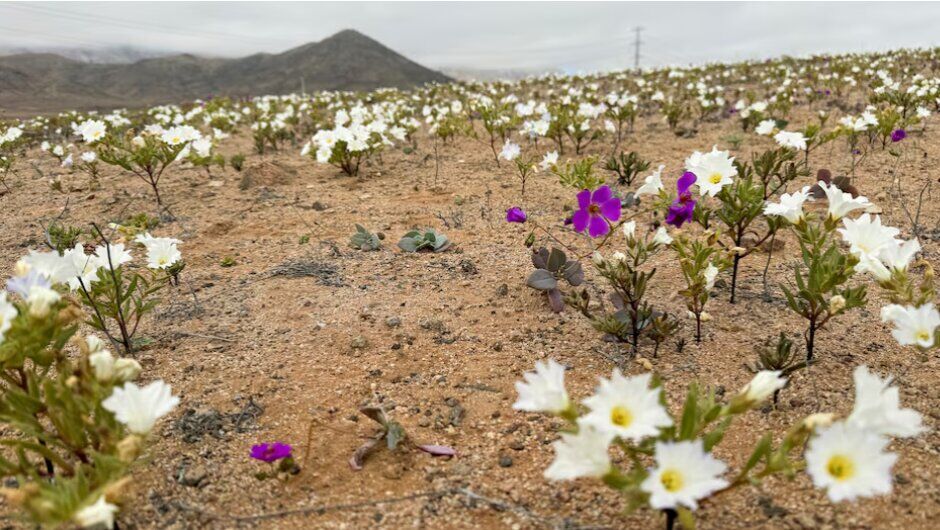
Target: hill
33,83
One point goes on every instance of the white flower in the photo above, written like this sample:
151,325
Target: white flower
714,170
543,389
549,160
510,151
139,408
763,385
897,255
626,407
92,131
866,235
580,455
115,255
97,515
629,230
80,268
912,325
790,206
849,462
878,407
7,314
40,299
684,473
89,157
710,274
766,127
793,140
102,362
662,236
652,184
841,203
161,251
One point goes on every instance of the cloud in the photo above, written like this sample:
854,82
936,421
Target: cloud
571,36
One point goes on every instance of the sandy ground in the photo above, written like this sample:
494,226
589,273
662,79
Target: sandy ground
438,340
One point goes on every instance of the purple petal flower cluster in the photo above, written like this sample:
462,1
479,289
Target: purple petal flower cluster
515,215
681,209
271,452
596,210
898,135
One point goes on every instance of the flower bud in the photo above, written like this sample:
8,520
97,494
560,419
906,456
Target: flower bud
129,448
103,364
618,257
836,303
126,369
820,419
598,259
21,268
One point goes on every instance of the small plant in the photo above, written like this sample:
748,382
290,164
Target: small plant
700,265
627,166
279,456
237,161
551,266
73,422
227,261
428,239
117,294
147,156
60,237
579,175
365,240
778,355
633,315
394,436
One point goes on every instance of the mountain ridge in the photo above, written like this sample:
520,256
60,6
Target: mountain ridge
347,60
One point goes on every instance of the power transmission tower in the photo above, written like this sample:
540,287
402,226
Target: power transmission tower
636,48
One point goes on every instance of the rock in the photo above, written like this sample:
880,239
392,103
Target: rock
505,461
393,322
195,476
359,343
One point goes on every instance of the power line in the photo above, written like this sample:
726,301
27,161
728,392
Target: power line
636,48
128,24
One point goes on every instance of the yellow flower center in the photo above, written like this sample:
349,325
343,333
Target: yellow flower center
621,416
840,467
163,261
671,480
923,336
715,178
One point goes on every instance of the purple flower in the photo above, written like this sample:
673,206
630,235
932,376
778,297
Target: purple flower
271,452
681,209
515,215
595,211
22,284
898,135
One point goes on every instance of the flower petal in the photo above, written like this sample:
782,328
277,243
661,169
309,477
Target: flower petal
598,227
685,182
611,209
584,199
580,220
601,195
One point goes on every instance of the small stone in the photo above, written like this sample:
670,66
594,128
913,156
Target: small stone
505,461
194,477
359,342
393,322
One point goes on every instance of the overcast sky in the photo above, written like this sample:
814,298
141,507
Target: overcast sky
567,36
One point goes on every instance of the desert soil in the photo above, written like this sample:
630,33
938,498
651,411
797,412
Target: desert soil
289,342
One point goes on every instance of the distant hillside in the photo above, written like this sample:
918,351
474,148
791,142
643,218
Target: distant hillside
36,83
